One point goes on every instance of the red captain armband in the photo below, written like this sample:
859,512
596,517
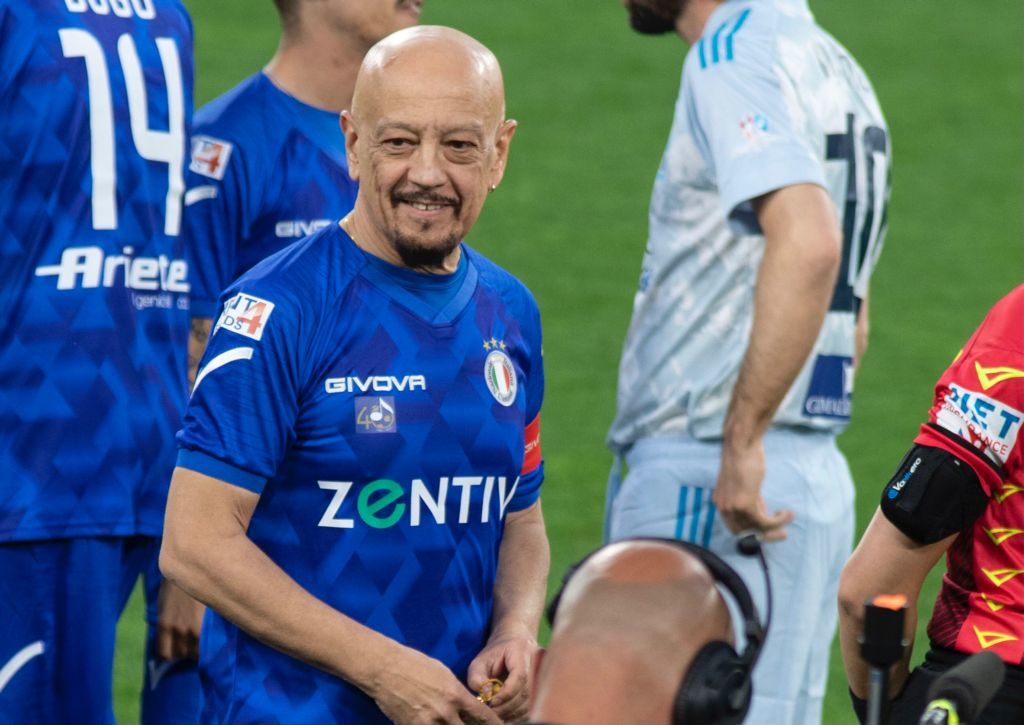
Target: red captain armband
531,453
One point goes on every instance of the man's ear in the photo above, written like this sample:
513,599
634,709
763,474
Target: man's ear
348,127
501,144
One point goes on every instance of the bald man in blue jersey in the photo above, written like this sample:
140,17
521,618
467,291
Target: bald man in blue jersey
357,496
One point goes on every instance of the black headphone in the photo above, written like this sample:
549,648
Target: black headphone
716,689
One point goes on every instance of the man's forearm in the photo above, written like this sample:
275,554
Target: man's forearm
851,626
522,574
207,553
884,562
794,289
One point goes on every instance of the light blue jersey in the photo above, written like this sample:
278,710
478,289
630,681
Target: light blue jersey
768,100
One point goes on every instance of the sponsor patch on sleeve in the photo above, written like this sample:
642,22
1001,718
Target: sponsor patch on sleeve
245,315
531,454
988,424
210,156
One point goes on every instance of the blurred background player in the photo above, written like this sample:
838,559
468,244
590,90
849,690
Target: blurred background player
767,217
357,495
957,492
626,627
268,157
96,100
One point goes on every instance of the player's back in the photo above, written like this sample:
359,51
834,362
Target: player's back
96,99
768,99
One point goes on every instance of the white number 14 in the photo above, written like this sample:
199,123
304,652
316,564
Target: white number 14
164,146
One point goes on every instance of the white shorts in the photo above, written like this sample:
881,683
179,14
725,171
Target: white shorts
667,492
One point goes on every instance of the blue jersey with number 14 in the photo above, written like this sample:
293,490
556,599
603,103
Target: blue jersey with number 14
95,99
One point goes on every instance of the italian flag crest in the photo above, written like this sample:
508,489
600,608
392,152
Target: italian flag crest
501,377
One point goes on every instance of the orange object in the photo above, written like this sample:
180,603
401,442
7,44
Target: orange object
890,601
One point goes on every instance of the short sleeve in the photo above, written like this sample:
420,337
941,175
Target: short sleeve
978,410
532,475
215,214
742,122
240,419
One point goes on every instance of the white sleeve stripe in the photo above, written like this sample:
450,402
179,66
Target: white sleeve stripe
230,356
199,194
19,660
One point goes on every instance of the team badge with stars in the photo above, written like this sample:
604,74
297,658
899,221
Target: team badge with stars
499,372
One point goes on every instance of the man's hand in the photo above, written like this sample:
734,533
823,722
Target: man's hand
178,621
418,690
507,658
737,493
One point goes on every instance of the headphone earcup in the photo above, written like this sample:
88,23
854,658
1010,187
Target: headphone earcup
716,688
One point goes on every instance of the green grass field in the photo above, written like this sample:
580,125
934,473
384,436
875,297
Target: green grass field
594,103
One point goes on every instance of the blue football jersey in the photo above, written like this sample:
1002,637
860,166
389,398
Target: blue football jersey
387,437
266,170
96,99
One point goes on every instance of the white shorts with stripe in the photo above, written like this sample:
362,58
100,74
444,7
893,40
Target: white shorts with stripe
667,492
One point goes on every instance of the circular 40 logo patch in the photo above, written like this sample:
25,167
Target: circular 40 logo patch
501,377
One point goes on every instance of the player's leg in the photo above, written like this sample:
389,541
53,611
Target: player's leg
58,616
812,693
800,476
170,688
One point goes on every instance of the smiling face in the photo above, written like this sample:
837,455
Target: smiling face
426,140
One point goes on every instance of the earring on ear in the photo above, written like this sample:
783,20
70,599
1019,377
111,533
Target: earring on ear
493,187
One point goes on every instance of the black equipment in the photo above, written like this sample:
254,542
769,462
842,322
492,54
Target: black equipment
881,646
960,694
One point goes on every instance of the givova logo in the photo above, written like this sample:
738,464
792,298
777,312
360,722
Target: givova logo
297,228
383,503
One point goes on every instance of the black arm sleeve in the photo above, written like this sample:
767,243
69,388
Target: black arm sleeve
932,495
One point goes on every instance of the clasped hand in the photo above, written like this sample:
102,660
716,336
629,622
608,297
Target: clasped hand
419,690
738,497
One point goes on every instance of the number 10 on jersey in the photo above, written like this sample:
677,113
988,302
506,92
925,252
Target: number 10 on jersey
865,209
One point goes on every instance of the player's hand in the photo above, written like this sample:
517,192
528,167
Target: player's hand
418,690
509,658
178,621
737,494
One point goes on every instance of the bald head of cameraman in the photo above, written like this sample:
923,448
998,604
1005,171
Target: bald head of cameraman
628,624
